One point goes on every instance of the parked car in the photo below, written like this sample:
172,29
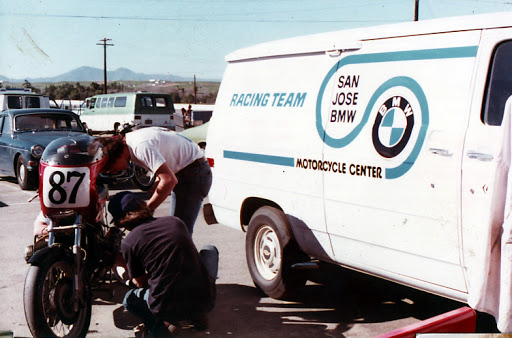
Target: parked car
197,134
24,134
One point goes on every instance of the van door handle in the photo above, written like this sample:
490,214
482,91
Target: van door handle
479,156
440,152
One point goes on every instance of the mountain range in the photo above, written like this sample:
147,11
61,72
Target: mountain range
95,74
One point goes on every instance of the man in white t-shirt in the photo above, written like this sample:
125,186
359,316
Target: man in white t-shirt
178,164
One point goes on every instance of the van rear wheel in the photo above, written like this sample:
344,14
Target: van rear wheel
271,252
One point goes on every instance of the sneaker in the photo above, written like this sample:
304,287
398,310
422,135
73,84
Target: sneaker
200,322
172,329
140,330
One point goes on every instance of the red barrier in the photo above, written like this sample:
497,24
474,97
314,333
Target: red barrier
462,320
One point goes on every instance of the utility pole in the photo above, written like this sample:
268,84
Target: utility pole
195,90
105,44
416,9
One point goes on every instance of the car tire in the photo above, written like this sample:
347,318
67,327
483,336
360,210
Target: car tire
271,252
26,179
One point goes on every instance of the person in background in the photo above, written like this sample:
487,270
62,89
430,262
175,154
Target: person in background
188,118
175,283
178,164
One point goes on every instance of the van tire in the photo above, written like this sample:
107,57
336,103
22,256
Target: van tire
270,252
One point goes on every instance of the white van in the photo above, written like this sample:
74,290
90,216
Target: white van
107,112
373,148
21,99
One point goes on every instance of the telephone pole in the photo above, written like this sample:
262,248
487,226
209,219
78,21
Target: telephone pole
416,9
105,44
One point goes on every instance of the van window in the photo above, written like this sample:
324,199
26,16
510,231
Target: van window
104,102
499,85
146,101
14,102
91,104
32,102
120,101
160,102
111,101
1,124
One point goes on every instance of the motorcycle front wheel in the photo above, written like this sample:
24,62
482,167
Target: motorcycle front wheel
47,298
143,178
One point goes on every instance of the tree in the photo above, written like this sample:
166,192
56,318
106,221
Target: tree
175,96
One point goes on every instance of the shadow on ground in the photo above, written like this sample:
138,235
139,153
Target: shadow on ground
329,307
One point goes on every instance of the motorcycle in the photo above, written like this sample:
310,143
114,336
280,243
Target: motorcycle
80,246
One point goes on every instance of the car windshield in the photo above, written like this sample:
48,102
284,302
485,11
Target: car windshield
46,122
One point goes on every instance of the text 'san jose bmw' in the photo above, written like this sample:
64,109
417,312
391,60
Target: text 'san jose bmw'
385,150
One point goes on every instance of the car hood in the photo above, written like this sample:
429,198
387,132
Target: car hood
45,137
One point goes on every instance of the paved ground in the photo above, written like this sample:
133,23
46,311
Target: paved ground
349,305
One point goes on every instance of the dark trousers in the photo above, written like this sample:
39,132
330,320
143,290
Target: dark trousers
187,197
136,300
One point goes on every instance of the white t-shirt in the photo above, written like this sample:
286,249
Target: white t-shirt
151,147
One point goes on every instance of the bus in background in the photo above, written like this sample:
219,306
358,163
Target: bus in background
107,112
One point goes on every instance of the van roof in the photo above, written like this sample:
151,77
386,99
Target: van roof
18,91
132,93
352,38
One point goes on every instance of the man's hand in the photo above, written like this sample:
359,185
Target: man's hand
164,183
141,281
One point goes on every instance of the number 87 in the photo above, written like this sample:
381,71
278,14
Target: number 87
57,180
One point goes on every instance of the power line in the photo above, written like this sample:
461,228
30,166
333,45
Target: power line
187,19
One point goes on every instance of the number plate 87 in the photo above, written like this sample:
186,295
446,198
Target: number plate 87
66,187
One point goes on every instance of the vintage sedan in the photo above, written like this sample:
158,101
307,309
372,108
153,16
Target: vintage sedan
24,134
197,134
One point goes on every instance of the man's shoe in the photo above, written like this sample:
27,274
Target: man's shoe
200,322
173,329
140,331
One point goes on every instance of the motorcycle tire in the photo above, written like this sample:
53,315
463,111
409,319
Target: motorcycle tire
47,301
142,178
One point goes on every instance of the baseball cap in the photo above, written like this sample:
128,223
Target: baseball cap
122,203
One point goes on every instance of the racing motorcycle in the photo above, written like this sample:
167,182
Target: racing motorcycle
80,246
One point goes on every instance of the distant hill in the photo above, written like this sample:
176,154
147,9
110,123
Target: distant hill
95,74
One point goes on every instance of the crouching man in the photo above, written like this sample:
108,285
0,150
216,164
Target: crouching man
174,282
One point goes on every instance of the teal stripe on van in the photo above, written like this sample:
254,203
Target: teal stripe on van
260,158
412,55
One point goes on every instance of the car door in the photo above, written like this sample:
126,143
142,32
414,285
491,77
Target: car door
483,182
5,141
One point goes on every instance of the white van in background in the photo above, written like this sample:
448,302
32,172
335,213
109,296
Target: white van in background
76,106
373,148
107,112
21,99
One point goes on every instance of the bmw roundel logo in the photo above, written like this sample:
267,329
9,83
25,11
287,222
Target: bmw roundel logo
393,126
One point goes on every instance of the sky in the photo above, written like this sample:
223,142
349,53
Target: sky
45,38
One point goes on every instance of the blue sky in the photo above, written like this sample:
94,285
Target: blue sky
41,38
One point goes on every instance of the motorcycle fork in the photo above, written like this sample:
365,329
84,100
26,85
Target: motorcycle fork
77,253
77,256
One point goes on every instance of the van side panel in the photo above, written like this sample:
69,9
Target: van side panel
156,110
401,188
263,120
